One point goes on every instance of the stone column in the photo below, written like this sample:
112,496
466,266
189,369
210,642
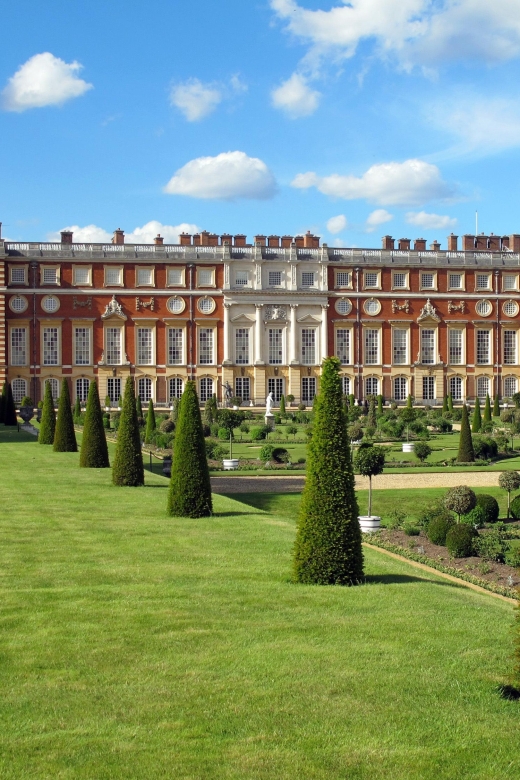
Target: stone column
227,307
258,335
324,331
293,358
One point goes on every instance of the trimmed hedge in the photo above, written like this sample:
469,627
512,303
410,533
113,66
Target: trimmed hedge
515,508
459,540
438,527
490,506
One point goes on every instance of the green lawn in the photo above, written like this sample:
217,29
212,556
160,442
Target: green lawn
138,646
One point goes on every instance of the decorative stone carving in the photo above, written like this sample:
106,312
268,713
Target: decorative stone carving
139,304
77,304
276,313
405,306
112,308
460,306
428,312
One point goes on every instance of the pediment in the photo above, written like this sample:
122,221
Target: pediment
243,318
309,318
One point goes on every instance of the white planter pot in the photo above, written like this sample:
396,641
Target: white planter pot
408,446
369,524
230,464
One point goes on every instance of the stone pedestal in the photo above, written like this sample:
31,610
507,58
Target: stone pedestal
269,421
408,446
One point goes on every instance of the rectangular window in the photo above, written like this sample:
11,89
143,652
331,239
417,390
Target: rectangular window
113,276
206,389
114,390
428,388
343,346
205,278
205,346
275,346
275,386
308,278
241,278
243,388
455,281
400,388
82,346
456,388
19,388
342,279
483,345
510,282
400,344
18,347
113,346
175,277
510,386
482,386
371,279
50,276
82,388
18,275
371,347
482,281
427,281
144,277
400,280
308,346
175,388
308,389
428,346
175,346
144,346
144,389
455,347
242,346
345,385
50,346
81,276
274,278
510,347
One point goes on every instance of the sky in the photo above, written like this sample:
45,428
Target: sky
349,119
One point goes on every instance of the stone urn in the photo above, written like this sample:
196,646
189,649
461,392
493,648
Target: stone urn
408,446
26,413
167,467
230,464
369,524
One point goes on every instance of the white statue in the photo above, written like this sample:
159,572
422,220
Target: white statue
269,405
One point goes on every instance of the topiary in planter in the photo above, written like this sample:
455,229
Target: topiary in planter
459,540
438,528
490,506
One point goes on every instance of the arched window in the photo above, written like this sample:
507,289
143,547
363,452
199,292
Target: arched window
400,388
19,388
483,386
144,389
371,386
82,388
175,387
456,388
54,387
206,389
510,386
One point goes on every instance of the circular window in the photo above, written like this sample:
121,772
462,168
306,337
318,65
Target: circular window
510,308
50,304
372,306
176,305
343,306
18,303
206,305
484,308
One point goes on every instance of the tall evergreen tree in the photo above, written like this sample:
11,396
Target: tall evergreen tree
139,408
450,403
190,487
409,402
94,449
48,419
466,453
128,467
476,423
487,410
175,410
10,417
496,407
151,424
3,399
445,404
371,416
77,411
64,434
328,548
380,404
282,406
210,410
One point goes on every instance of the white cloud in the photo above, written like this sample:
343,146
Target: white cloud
430,221
376,218
295,97
409,183
195,99
227,176
337,224
413,31
92,234
44,80
483,124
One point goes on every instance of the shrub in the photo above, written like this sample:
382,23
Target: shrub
26,401
258,434
466,453
127,469
509,480
355,432
94,450
411,530
167,426
492,545
460,499
438,528
301,407
442,425
490,506
476,518
223,434
422,450
151,423
244,428
395,519
459,540
64,435
106,421
214,429
48,420
485,447
476,423
266,452
515,508
280,455
282,406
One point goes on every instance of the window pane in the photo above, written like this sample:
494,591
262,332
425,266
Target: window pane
50,346
275,386
343,346
455,346
112,276
275,278
113,346
308,389
144,346
428,388
206,389
510,386
371,386
205,277
114,390
82,346
242,346
428,347
342,279
174,347
371,347
174,276
18,347
345,385
371,279
175,388
275,346
427,281
510,347
81,276
483,344
509,282
144,389
205,346
455,281
19,388
400,335
482,281
144,276
400,388
399,280
308,346
241,278
49,276
82,388
307,279
242,388
482,386
54,387
456,388
18,277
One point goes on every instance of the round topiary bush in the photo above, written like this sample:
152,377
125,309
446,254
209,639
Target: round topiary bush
258,434
515,508
167,426
280,455
459,540
490,506
223,434
266,452
438,528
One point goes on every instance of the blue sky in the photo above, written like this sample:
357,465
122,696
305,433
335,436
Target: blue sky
352,120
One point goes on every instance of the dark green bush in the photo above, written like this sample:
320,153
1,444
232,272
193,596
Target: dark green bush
167,426
485,447
280,455
213,429
223,434
127,469
258,434
490,506
106,421
214,450
515,508
266,452
48,419
438,528
64,434
476,518
94,450
493,545
411,530
459,540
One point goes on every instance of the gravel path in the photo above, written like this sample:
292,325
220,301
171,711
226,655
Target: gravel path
383,482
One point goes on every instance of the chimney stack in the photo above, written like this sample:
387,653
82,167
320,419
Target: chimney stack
185,239
118,237
435,247
452,242
158,240
404,244
388,242
66,237
419,245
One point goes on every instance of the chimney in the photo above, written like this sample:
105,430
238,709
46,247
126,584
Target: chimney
388,242
435,246
240,239
468,242
196,239
259,240
452,242
212,239
308,240
66,237
494,243
273,241
185,239
404,244
204,238
514,243
481,242
158,240
286,242
419,245
504,242
118,237
226,239
299,241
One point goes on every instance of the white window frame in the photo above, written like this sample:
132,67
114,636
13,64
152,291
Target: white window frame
243,353
488,276
121,330
424,348
276,386
206,330
306,286
114,389
430,383
88,329
13,328
181,270
169,345
346,385
18,394
149,385
211,271
510,379
406,279
514,277
107,269
309,346
209,383
462,281
462,360
310,384
478,382
149,269
345,358
372,380
275,271
489,361
243,388
57,272
345,285
514,351
246,276
406,360
451,382
80,381
402,395
25,269
377,285
46,327
75,269
54,384
433,274
177,384
139,360
371,362
272,346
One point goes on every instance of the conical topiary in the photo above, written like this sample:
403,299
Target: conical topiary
445,404
282,406
379,404
371,416
190,487
77,411
3,399
139,407
150,423
450,403
409,402
476,423
175,409
48,419
10,417
466,453
64,435
94,449
328,549
496,407
128,461
487,410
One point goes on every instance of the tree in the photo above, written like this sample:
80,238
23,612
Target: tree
450,403
128,461
409,402
48,419
371,416
190,488
328,548
516,400
3,399
422,450
94,449
379,404
509,480
496,407
370,461
211,410
77,411
407,415
139,409
151,424
10,417
487,410
175,409
282,406
291,430
445,404
466,453
476,423
64,434
229,419
461,500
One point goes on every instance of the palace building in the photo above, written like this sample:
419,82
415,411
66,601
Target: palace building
261,317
